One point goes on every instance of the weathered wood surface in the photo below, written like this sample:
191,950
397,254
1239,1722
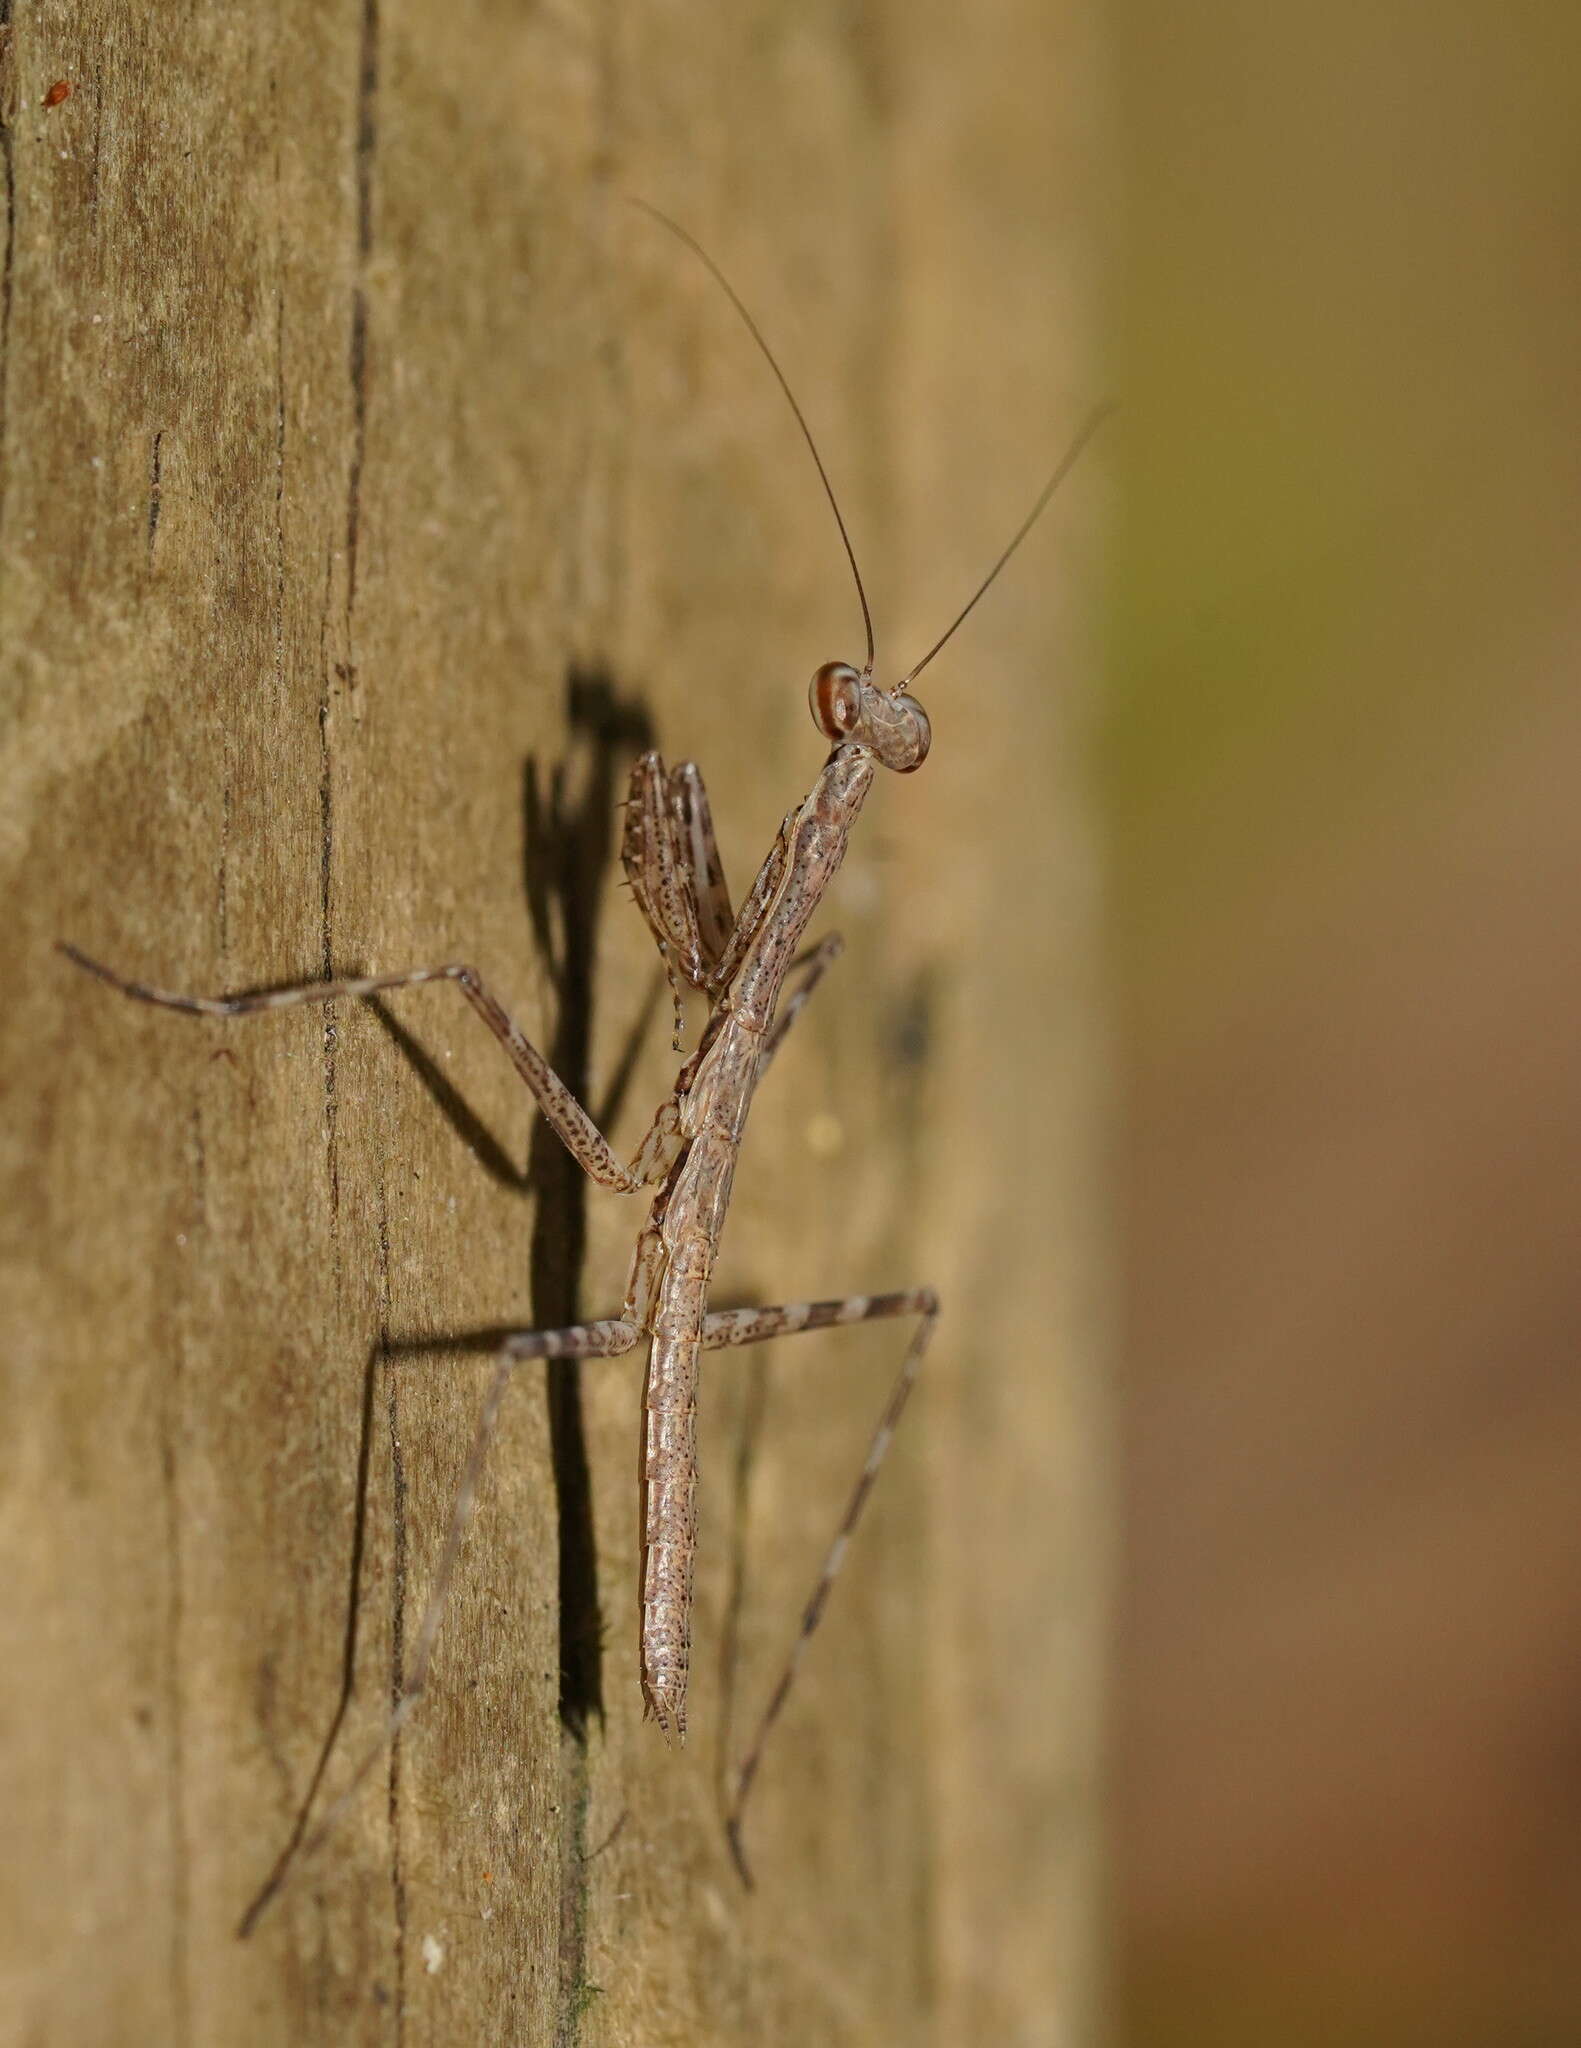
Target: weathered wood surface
374,484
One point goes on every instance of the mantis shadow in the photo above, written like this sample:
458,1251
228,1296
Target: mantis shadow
570,826
569,812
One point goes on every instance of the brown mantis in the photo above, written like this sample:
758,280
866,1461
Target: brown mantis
755,977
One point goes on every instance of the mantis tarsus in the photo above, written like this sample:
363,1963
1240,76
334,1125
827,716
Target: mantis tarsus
743,964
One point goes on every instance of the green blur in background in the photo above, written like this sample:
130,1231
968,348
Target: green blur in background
1343,783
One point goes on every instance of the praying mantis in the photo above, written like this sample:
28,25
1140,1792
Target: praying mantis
755,975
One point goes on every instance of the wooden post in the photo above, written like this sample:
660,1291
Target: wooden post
375,483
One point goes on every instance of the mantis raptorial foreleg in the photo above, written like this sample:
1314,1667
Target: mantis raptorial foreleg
672,862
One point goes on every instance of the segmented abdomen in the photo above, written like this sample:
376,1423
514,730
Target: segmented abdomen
669,1486
692,1218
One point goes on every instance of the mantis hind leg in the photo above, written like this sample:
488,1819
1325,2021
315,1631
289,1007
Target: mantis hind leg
609,1338
755,1326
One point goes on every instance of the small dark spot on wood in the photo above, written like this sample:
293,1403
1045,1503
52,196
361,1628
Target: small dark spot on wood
153,492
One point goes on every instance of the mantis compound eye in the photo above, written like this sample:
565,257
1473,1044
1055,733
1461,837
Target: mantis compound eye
836,699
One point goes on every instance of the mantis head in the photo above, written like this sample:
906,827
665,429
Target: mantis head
849,709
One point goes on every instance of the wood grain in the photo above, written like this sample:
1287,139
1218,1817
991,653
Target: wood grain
374,485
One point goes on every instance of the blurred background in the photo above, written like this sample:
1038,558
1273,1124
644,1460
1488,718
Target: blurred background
1343,782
